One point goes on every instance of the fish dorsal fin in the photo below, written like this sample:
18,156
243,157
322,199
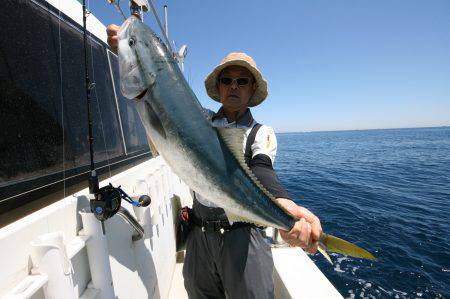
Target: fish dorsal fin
234,139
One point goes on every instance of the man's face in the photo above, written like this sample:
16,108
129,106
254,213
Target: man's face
235,94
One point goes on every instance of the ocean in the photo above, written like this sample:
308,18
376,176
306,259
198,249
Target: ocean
387,191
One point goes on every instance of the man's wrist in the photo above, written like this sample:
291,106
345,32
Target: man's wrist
289,205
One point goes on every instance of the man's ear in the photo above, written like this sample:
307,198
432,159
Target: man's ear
254,86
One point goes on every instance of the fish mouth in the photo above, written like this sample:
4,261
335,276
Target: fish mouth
141,95
132,85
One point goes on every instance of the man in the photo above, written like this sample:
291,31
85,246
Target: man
226,259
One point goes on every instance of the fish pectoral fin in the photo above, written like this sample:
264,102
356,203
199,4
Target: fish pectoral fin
152,146
154,119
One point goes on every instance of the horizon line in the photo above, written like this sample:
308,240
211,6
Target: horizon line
371,129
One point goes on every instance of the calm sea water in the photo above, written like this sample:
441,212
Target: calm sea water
388,191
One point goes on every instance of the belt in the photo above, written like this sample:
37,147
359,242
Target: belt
188,216
221,226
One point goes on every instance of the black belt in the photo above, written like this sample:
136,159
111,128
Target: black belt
188,217
222,226
218,225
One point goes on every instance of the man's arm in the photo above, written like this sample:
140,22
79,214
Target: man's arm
261,166
306,232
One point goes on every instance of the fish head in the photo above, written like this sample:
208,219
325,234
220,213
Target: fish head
136,66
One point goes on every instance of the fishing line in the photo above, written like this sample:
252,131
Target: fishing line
158,21
61,95
116,4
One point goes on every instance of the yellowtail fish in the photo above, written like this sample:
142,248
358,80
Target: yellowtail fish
209,160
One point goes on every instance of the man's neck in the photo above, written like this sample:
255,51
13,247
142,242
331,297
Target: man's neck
233,115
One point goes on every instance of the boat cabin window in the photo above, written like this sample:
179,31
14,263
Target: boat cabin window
107,143
43,115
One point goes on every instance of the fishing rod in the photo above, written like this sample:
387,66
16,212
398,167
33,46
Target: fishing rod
105,202
93,179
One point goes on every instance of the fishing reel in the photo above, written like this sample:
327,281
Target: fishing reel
108,199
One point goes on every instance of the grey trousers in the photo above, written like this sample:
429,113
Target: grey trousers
236,264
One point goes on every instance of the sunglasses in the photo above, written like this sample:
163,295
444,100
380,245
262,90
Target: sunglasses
242,81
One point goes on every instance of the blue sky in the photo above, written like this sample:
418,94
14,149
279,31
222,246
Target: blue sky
330,65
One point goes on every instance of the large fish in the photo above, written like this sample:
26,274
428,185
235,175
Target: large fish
209,160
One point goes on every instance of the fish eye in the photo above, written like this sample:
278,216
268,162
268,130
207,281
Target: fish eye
131,42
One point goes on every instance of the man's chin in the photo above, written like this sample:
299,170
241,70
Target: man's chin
231,98
233,106
234,102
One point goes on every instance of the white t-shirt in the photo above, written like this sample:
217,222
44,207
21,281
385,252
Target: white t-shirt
265,140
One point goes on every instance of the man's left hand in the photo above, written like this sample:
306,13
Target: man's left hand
113,41
306,232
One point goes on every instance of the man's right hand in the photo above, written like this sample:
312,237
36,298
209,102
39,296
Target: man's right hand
112,37
306,231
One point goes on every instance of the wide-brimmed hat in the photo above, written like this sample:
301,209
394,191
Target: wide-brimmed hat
240,59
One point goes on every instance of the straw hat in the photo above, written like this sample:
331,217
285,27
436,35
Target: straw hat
241,59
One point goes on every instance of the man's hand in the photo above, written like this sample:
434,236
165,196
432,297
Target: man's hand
112,37
306,232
